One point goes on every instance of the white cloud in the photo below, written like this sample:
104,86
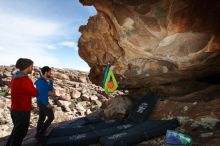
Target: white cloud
26,26
24,37
82,66
69,44
35,39
49,47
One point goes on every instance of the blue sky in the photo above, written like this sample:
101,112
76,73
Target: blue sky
45,31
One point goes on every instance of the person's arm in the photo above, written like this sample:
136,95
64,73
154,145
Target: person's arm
51,89
42,92
52,93
50,106
30,88
50,85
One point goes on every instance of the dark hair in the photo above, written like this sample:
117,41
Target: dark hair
23,63
45,69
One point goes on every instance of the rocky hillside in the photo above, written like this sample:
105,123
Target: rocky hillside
77,97
168,47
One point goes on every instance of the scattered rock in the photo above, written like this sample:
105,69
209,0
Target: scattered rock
2,103
73,78
73,100
4,130
98,103
7,73
93,98
80,107
83,79
64,103
75,93
118,107
205,135
64,77
60,91
88,111
206,122
85,97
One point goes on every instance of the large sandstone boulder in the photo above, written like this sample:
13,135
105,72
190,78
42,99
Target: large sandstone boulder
169,47
151,43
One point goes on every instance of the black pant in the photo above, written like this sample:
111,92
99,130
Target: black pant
44,111
21,122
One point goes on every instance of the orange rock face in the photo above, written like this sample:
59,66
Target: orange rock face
169,47
145,39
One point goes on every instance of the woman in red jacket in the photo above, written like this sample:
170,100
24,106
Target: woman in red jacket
22,91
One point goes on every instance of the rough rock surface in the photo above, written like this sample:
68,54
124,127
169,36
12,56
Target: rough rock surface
151,43
165,46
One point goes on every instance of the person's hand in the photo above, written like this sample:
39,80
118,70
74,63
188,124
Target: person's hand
50,78
52,93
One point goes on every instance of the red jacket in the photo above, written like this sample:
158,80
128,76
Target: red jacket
22,91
